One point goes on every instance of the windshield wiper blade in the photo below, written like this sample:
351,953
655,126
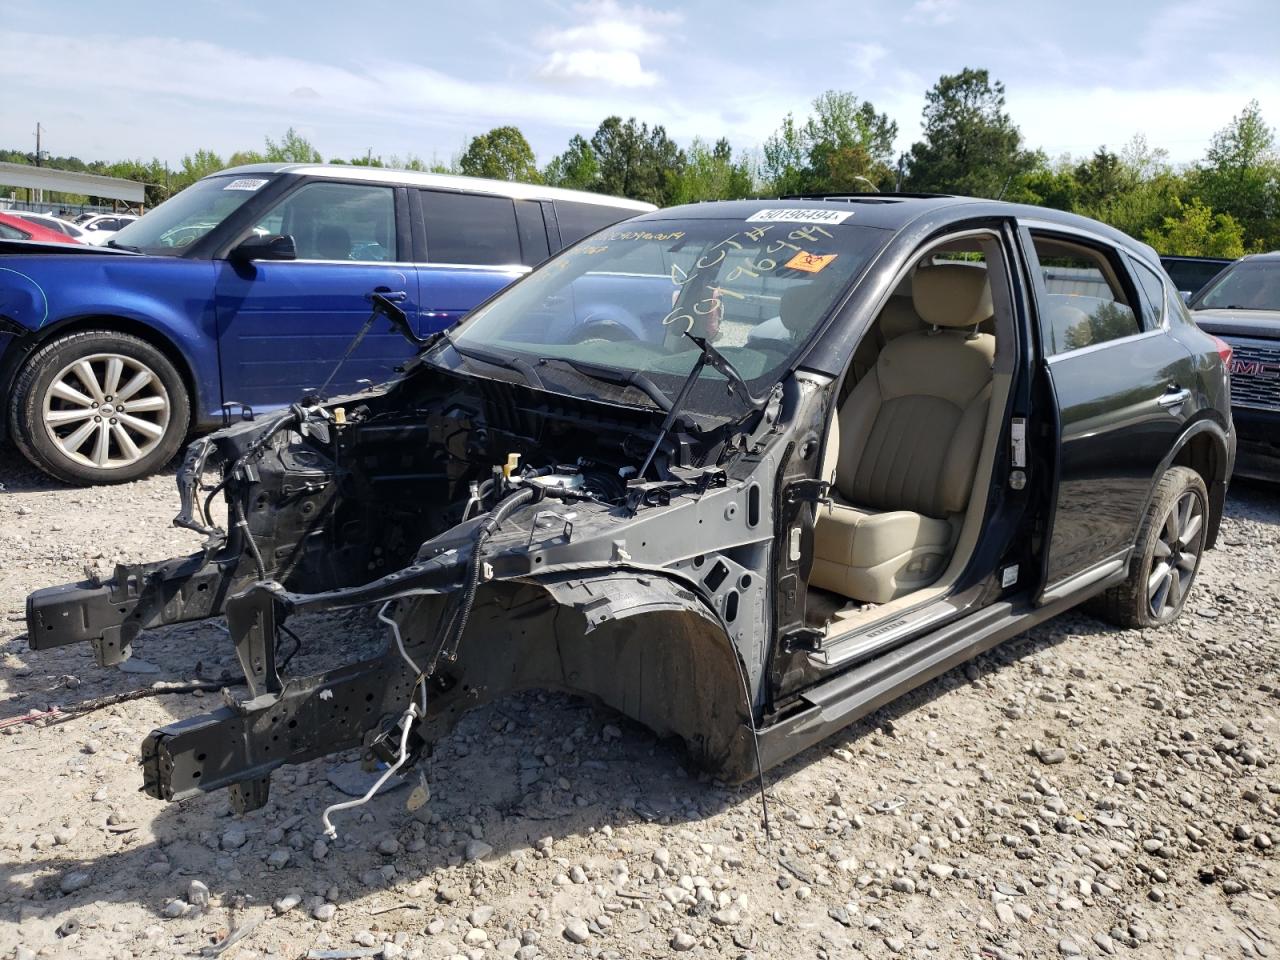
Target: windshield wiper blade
522,367
625,378
708,356
123,246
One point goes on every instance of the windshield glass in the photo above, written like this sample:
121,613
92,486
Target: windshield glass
624,299
1249,285
183,219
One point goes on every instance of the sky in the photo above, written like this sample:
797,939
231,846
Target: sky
142,78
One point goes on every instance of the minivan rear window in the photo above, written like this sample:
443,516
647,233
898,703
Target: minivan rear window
578,220
470,228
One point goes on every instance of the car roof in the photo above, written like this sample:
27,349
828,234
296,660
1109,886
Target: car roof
439,181
894,211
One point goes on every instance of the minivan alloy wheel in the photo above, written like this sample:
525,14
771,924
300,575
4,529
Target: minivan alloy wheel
106,410
1177,551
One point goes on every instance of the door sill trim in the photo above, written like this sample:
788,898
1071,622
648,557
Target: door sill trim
1085,578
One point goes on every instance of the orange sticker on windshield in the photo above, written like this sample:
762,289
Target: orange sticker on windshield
810,262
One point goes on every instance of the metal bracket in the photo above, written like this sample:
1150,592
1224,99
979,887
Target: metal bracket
808,491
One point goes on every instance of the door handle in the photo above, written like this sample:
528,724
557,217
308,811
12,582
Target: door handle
1175,396
395,296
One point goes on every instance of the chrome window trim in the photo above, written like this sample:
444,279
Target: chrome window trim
1090,348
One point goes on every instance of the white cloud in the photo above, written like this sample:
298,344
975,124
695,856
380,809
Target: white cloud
936,12
606,46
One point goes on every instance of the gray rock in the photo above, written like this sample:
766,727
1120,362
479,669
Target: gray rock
477,850
576,930
287,902
234,837
1051,755
197,894
681,941
75,880
324,912
480,916
175,908
278,858
1068,947
904,885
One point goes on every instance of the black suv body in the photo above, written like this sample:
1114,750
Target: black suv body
863,439
1242,306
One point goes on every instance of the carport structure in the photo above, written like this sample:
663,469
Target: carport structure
70,181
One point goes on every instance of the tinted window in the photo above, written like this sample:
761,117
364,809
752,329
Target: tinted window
336,221
11,233
533,232
1151,288
470,228
578,220
1248,285
1086,303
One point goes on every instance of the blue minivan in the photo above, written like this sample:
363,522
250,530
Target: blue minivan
245,291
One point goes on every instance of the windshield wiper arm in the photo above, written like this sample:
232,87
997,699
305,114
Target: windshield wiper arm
708,356
522,367
114,245
625,378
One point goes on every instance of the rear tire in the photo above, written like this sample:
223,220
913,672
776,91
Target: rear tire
1167,555
99,407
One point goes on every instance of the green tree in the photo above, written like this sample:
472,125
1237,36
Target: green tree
501,154
971,146
1240,176
577,168
1196,231
292,148
637,161
843,146
711,173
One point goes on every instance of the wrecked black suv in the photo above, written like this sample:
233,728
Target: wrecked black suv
743,471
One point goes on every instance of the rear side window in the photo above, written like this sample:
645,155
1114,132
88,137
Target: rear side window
1151,289
336,221
11,233
1086,302
470,228
578,220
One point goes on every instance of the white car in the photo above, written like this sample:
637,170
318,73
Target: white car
50,222
100,228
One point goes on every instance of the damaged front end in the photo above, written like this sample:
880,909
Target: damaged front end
505,536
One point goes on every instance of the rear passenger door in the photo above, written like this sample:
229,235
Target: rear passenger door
1120,384
469,246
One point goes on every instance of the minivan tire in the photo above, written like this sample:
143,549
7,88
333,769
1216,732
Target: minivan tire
1167,555
67,419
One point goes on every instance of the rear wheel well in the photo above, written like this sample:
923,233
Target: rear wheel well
1203,453
102,322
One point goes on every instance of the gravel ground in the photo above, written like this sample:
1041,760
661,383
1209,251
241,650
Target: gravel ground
1080,791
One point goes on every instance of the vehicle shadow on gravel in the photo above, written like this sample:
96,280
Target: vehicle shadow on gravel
529,766
17,475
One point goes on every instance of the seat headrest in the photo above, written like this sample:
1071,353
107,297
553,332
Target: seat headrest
952,294
333,242
797,306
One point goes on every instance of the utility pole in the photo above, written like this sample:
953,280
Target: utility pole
37,143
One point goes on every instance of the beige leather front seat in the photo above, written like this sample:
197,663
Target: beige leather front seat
905,445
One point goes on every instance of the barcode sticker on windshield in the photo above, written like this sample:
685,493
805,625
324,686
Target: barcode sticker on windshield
800,216
246,183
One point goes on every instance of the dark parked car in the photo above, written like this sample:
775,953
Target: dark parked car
1242,306
970,416
1190,274
244,290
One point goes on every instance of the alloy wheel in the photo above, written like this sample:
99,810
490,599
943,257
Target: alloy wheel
106,410
1177,553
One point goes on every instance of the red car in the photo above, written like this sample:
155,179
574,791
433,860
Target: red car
15,228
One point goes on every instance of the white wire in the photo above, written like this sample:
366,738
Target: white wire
406,721
330,830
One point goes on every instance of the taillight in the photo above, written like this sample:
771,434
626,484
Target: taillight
1224,350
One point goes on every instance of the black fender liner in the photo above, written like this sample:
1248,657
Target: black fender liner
639,642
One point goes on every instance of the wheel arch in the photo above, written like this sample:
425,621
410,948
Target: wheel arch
642,644
1204,448
27,346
